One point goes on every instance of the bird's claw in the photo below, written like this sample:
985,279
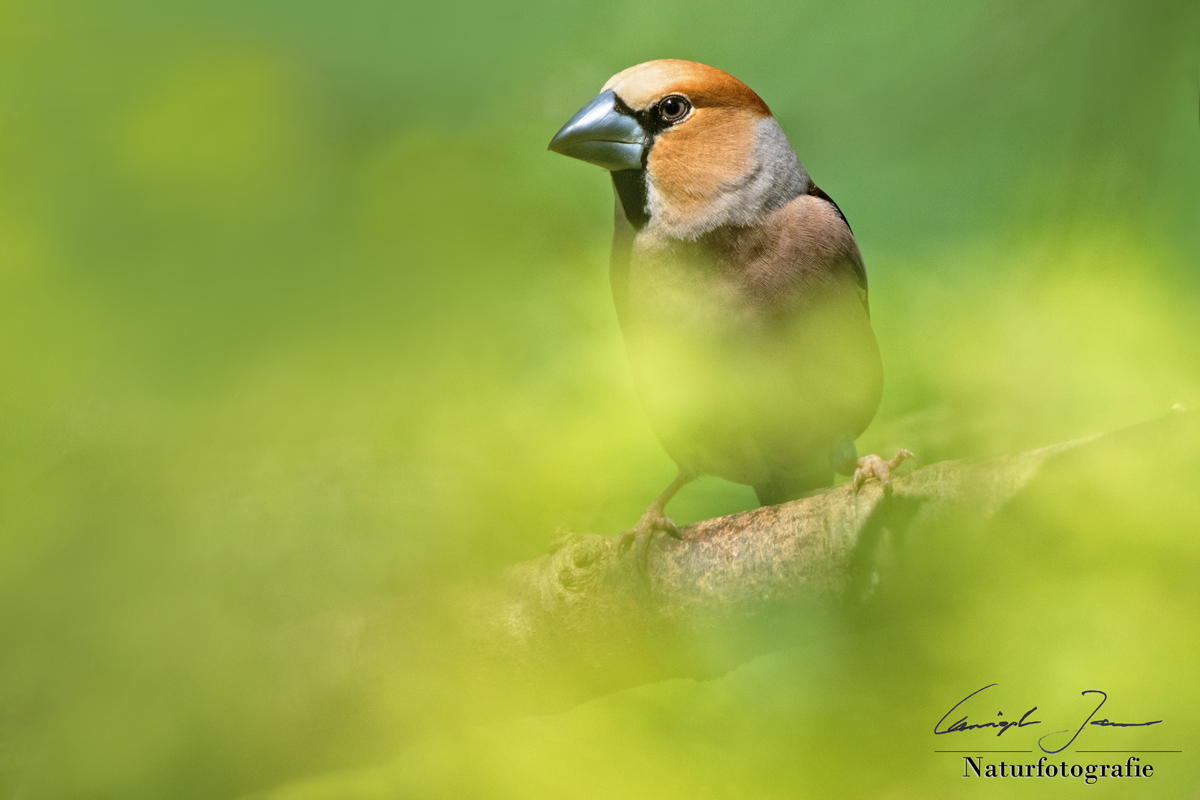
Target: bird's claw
873,466
642,533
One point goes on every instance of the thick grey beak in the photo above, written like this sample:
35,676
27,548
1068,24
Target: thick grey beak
600,134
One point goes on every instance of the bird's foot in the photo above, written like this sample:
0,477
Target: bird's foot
653,521
875,467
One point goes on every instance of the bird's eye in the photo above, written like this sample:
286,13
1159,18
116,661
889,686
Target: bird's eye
674,108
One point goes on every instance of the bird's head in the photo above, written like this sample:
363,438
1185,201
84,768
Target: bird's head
690,148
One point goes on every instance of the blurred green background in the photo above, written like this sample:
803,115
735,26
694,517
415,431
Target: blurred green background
300,325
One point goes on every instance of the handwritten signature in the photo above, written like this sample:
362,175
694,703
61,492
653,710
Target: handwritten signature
962,724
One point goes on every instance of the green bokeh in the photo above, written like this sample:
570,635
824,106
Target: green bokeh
300,325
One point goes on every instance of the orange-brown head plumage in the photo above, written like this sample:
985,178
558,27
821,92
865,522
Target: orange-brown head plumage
725,162
643,85
691,148
711,148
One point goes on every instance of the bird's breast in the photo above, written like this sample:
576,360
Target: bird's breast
741,375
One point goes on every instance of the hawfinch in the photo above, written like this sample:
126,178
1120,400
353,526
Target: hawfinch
739,288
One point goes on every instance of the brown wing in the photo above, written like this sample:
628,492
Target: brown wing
860,269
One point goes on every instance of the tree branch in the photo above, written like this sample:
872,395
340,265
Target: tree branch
585,608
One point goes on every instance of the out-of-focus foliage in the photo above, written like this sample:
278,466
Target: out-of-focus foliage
298,317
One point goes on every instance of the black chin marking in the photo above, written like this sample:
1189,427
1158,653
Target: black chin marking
631,189
631,183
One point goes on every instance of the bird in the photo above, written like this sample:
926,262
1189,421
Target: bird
739,288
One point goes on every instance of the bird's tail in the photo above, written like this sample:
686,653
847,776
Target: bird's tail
842,460
781,490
